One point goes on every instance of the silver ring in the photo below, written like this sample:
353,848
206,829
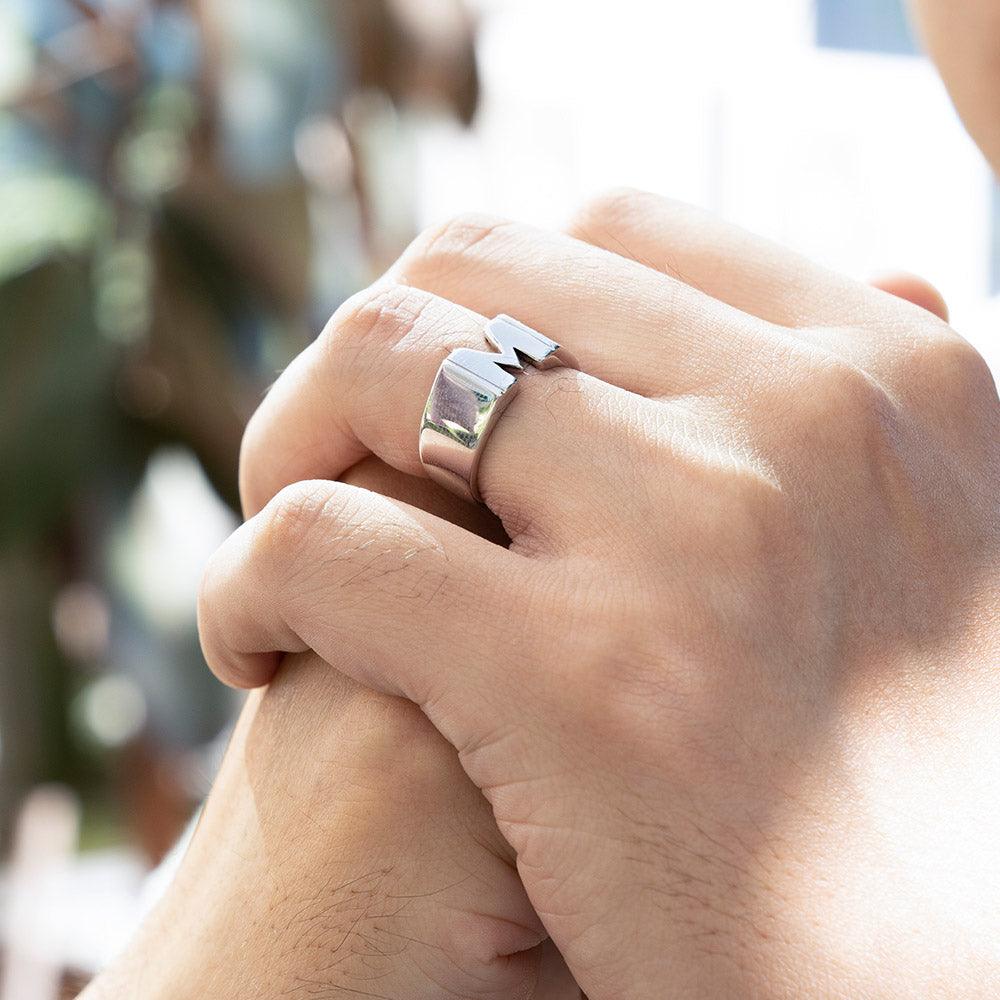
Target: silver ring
470,392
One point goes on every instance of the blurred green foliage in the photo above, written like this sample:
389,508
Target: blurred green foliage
158,229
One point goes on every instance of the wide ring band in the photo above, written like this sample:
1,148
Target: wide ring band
470,392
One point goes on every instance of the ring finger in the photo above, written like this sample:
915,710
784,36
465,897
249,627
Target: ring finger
357,388
361,388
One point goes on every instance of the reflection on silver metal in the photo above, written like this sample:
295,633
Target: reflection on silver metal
470,392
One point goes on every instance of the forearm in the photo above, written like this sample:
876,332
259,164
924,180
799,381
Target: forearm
342,845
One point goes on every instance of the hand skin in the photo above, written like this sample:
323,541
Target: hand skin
963,38
342,853
732,692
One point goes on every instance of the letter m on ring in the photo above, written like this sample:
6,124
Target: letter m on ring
513,340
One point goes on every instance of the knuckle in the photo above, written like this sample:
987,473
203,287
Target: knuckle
949,364
320,538
285,531
380,316
614,206
835,400
840,386
359,343
444,247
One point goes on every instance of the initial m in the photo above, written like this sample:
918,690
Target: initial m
513,340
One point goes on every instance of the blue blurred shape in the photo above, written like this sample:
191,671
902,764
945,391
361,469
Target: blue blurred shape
864,26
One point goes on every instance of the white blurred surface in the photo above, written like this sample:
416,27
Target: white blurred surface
856,159
60,910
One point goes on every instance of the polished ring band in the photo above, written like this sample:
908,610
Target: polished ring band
470,392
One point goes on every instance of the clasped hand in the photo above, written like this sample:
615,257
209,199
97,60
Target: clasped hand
731,690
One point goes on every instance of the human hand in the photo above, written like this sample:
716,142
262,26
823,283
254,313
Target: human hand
343,852
732,691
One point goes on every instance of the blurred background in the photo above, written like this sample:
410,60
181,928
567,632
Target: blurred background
188,188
